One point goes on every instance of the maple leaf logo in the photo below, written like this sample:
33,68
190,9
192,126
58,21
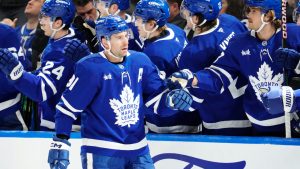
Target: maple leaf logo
265,80
127,108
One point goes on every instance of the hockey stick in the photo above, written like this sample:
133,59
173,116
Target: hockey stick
287,116
288,100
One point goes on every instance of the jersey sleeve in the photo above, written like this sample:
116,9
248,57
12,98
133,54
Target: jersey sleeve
220,74
48,80
155,91
82,88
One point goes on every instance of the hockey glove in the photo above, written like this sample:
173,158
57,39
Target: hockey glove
58,157
287,59
88,29
179,99
181,79
10,65
76,50
276,100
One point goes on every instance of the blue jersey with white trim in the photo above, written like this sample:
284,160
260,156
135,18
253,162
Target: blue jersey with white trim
220,113
9,95
163,51
49,81
109,97
252,59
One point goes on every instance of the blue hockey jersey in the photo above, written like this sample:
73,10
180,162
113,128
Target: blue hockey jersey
49,81
251,58
221,114
109,98
9,95
163,52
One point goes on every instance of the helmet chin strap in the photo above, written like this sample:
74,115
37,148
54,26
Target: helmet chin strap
109,50
54,31
263,23
195,25
148,32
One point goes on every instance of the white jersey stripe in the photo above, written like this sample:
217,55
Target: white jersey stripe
174,129
68,105
268,122
52,86
10,103
66,112
114,145
227,124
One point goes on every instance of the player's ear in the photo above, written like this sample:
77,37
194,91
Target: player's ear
269,16
196,19
104,43
58,23
113,8
152,24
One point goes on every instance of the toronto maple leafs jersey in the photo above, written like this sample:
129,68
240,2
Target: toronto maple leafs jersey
9,95
251,58
220,113
163,50
109,97
26,36
49,81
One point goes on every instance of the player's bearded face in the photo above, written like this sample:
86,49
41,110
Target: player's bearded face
119,44
254,17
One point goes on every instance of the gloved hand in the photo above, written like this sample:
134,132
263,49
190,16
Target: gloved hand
181,79
273,101
10,65
76,50
87,28
58,156
286,58
179,99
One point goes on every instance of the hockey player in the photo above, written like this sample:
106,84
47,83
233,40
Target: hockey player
113,132
250,56
10,114
119,7
211,38
163,43
48,82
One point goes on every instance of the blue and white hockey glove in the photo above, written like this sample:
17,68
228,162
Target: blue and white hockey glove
10,65
179,99
76,50
278,100
58,157
287,59
181,79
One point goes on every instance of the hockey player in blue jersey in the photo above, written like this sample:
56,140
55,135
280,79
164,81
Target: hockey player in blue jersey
211,38
49,81
112,130
119,7
250,56
163,42
10,106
